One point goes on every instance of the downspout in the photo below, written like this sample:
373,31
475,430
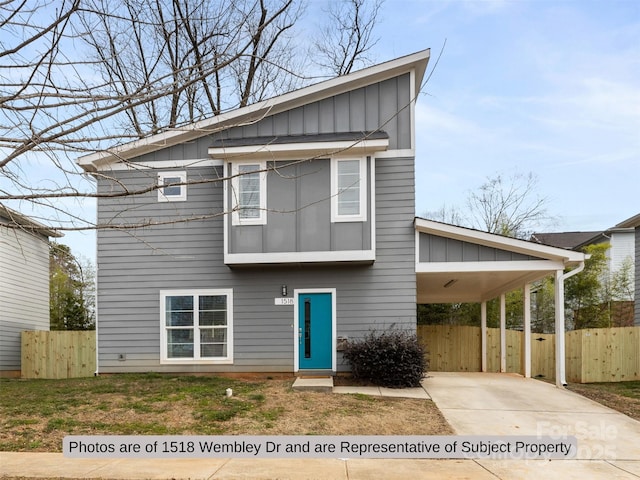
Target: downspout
561,379
97,372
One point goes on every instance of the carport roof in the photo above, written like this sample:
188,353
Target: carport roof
499,264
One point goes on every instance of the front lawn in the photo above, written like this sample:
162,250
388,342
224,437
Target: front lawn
35,415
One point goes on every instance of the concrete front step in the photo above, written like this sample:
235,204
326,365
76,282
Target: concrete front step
314,384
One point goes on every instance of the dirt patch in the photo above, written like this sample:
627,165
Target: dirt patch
623,397
310,413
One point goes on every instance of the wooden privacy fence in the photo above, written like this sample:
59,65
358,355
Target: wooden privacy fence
58,354
591,355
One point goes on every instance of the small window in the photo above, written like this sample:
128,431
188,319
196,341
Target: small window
249,193
349,190
196,326
172,186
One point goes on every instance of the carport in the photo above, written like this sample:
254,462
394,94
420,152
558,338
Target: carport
456,264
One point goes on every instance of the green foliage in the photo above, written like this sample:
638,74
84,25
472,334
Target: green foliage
469,313
449,314
393,358
543,310
70,291
621,286
584,293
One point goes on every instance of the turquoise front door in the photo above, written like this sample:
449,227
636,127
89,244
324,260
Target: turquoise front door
315,339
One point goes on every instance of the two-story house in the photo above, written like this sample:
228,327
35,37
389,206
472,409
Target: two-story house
634,224
276,229
24,284
256,240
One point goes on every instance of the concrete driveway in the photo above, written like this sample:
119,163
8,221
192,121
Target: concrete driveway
509,404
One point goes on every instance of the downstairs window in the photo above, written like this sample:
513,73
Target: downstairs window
196,326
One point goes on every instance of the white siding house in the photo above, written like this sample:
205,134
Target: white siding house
24,284
634,223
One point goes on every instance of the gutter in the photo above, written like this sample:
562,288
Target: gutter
575,271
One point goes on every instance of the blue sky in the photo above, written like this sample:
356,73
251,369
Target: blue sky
550,87
527,86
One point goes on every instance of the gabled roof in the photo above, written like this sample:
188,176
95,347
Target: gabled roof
564,239
632,222
577,240
476,280
516,245
416,62
14,218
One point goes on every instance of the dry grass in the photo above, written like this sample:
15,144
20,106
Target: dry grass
621,396
35,415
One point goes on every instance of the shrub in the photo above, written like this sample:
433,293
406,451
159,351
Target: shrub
393,358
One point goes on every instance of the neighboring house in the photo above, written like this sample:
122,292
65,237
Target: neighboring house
620,239
24,284
278,229
620,253
634,223
569,240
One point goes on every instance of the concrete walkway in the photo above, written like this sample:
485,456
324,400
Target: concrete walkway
473,403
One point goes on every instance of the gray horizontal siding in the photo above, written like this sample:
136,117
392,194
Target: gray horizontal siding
434,248
135,266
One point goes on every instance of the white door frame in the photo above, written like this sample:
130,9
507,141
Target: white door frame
296,294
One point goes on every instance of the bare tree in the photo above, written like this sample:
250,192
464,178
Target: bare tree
446,214
207,56
508,206
81,76
346,39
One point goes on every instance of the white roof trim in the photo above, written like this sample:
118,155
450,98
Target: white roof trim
498,241
312,149
300,257
490,266
17,220
159,164
416,62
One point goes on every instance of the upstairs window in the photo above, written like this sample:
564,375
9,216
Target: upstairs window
172,186
249,193
349,190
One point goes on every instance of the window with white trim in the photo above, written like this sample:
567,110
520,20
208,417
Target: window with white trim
172,186
249,193
349,190
196,326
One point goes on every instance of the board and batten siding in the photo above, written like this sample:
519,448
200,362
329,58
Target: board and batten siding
135,265
434,248
299,214
24,291
383,105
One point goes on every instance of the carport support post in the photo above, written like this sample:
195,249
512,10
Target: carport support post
527,330
503,333
483,334
561,381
